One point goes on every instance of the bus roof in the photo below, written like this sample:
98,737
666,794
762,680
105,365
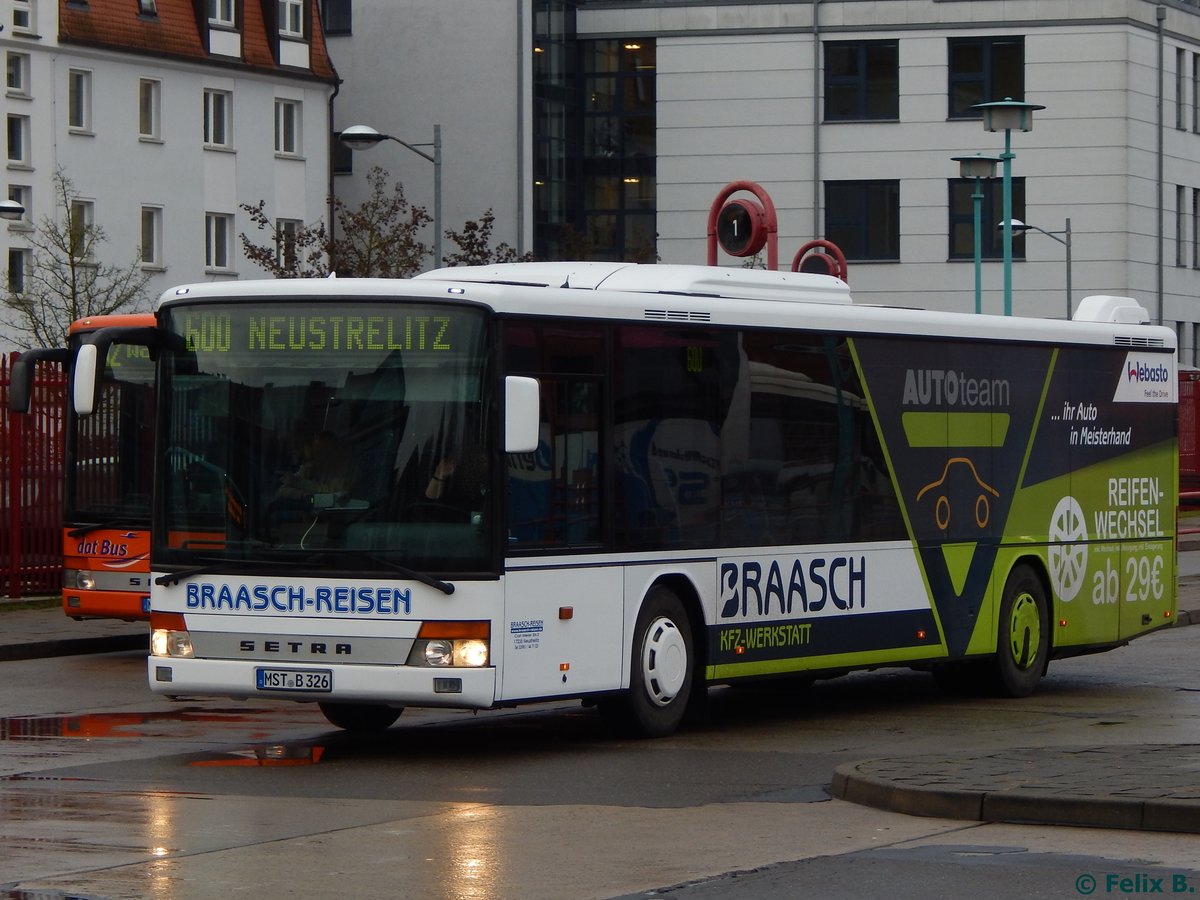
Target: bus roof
95,323
697,294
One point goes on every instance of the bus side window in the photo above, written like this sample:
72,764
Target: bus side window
553,493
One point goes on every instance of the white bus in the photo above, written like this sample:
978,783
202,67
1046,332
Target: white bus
490,486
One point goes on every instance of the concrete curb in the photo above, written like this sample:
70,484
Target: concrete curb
72,646
1015,807
1143,795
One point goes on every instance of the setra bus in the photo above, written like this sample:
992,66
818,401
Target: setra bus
487,486
107,476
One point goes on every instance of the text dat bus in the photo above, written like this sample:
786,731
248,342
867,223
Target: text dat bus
108,473
489,486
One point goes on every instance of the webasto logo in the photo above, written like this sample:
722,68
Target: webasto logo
946,387
1140,372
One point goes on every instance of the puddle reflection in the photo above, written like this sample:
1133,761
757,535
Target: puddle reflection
268,755
124,725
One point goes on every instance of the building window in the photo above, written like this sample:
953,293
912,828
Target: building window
150,108
217,106
17,263
148,7
18,74
24,16
218,240
18,140
291,18
335,17
1196,228
617,186
150,251
1180,88
863,218
80,219
983,70
862,80
287,127
79,99
23,194
1180,225
220,12
341,157
285,241
1196,92
962,218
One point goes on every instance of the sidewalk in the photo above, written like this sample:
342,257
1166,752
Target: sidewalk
39,633
1148,787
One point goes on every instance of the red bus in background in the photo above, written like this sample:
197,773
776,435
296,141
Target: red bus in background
108,475
1189,430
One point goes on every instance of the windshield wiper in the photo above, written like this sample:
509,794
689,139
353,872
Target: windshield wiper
86,529
216,566
444,586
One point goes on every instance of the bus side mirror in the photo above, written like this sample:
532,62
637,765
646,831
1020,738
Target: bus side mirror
20,388
86,379
522,414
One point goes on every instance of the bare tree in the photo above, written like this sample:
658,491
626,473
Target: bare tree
376,239
300,252
64,279
475,245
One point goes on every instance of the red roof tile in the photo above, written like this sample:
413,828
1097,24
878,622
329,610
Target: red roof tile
176,32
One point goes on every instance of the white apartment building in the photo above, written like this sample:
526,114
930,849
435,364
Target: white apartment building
165,115
633,115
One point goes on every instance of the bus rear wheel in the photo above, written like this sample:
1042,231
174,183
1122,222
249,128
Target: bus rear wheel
361,718
662,671
1023,642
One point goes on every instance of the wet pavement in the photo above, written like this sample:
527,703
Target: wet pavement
1151,787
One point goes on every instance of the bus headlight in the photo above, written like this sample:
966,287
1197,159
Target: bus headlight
446,644
169,636
470,654
439,653
79,579
164,642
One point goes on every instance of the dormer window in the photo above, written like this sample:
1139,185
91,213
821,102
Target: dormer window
291,18
23,18
220,12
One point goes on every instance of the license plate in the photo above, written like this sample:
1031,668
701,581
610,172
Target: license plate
319,680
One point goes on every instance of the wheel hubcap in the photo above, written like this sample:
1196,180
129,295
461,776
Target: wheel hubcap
664,661
1025,630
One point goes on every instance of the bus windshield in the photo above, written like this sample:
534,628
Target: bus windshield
353,439
110,453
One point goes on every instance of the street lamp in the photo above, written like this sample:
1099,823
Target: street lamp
11,210
364,137
978,167
1065,240
1005,115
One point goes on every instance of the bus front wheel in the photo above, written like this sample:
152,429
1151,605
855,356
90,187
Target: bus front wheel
362,718
661,676
1023,642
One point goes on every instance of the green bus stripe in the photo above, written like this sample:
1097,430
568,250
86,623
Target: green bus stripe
955,429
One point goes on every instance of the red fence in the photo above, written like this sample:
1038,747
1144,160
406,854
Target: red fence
31,485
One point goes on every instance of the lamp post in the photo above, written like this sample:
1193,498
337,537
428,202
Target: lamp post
1005,115
1065,240
11,210
978,167
364,137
